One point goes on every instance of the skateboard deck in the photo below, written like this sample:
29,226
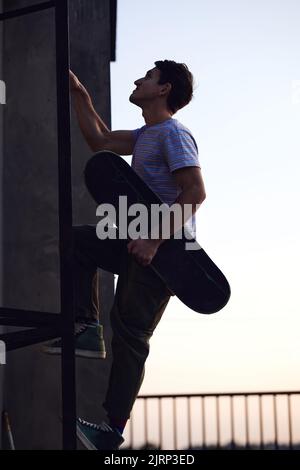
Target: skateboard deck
191,275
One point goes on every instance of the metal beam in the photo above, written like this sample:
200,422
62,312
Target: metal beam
21,339
16,317
27,10
65,223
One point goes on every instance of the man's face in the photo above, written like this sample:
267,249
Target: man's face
147,88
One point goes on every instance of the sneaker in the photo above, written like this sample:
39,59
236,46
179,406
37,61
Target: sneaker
98,436
89,342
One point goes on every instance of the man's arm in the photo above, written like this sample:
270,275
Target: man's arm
190,181
96,133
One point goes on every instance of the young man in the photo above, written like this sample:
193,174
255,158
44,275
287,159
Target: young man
165,156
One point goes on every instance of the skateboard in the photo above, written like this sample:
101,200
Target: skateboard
191,275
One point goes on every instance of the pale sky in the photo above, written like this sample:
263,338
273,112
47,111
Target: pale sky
245,117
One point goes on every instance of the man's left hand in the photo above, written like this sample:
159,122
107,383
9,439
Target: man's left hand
143,250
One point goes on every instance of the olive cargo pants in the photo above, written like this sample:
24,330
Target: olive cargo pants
140,300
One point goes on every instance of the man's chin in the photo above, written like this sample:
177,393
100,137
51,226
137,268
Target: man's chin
133,100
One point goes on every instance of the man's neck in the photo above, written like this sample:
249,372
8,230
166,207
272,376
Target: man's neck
153,117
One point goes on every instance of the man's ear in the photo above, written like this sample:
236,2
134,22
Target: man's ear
166,88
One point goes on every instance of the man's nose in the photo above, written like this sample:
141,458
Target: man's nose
137,82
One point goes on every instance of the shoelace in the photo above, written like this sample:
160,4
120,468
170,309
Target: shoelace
80,328
98,427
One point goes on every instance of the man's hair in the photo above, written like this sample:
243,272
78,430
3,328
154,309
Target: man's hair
181,80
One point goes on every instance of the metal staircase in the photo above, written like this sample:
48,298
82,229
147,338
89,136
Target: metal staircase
44,326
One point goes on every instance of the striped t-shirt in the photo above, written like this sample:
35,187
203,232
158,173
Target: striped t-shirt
159,150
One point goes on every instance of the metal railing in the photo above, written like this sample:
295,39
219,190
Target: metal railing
254,420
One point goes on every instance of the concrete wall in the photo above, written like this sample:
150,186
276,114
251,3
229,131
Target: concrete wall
30,217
